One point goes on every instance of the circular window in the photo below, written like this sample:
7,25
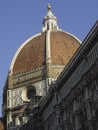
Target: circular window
31,92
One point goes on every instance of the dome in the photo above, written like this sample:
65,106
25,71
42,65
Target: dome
52,46
34,69
32,53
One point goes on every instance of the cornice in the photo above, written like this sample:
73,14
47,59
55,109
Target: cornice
84,49
29,72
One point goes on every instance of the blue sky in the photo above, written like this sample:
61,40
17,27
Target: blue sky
21,19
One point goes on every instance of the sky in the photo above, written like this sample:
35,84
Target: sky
21,19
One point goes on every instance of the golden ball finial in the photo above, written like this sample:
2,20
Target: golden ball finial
49,7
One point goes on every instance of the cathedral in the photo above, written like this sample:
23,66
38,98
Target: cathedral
52,83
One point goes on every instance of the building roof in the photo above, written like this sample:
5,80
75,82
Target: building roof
32,54
51,46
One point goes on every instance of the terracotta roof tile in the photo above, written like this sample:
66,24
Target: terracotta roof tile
33,54
63,46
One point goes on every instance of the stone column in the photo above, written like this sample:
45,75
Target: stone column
65,120
57,109
96,93
58,118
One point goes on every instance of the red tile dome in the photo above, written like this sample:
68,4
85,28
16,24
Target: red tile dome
32,53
